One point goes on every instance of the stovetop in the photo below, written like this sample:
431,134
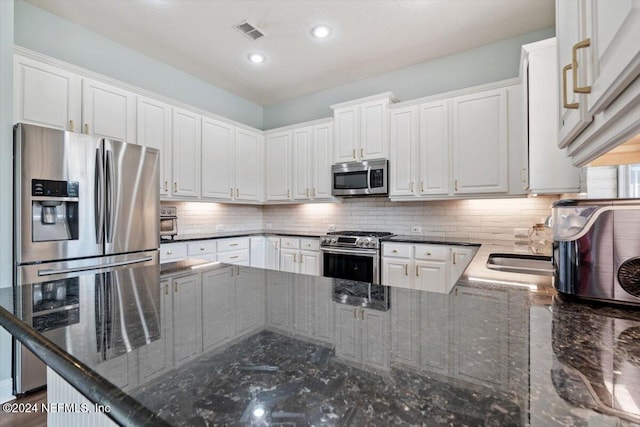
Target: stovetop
378,234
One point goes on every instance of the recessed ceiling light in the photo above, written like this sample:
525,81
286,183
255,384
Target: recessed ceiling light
257,58
321,31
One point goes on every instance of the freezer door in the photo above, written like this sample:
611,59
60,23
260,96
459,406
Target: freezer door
52,225
132,199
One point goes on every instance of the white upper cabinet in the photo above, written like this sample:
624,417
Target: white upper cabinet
154,130
278,165
480,144
433,149
598,68
403,145
218,143
321,161
46,96
550,169
362,128
186,153
108,111
301,176
248,165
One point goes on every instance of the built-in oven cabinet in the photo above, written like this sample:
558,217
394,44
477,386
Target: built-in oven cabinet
361,128
427,267
362,336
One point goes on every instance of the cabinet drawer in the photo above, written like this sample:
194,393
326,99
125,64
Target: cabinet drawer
172,252
233,244
289,242
432,252
397,250
205,247
310,244
235,257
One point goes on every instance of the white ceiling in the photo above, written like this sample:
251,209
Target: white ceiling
369,37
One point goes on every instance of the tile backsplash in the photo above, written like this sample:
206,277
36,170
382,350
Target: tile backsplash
454,219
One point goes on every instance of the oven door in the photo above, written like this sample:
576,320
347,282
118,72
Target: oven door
168,226
351,264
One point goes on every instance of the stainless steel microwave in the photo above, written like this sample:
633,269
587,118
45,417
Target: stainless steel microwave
367,178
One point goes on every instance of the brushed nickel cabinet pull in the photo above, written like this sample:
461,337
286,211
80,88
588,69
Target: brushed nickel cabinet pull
362,153
175,287
233,257
234,244
301,259
166,289
288,194
307,192
362,314
202,249
406,269
175,187
314,192
422,186
237,193
71,125
574,65
86,128
417,271
166,186
353,153
411,186
231,192
454,258
394,251
169,252
455,184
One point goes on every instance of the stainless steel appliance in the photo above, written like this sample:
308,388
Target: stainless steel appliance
352,255
168,222
81,203
367,178
596,249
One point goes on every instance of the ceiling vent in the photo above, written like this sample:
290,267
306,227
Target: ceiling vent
249,30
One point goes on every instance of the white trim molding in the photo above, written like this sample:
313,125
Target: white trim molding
6,390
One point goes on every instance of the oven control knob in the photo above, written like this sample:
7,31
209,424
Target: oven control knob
334,241
323,240
359,242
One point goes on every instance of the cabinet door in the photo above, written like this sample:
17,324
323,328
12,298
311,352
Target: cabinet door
303,307
404,133
347,332
156,357
301,176
258,251
218,142
374,134
434,148
289,260
278,159
279,301
481,336
46,96
347,134
218,307
431,276
272,258
154,130
322,159
108,111
250,300
461,257
248,165
570,30
434,333
375,339
615,49
186,153
395,272
404,328
309,263
187,318
480,143
323,317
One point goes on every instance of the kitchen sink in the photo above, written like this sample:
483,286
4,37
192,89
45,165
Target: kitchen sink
526,264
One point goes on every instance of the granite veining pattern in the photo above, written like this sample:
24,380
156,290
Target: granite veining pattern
237,345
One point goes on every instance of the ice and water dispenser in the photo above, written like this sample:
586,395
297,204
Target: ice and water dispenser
54,210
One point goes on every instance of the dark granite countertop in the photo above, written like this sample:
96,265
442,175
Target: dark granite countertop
227,345
247,233
427,240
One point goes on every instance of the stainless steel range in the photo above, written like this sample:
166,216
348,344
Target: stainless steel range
352,255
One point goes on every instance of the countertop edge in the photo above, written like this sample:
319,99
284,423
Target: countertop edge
124,410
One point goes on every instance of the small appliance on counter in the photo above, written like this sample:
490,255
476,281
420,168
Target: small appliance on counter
596,249
168,222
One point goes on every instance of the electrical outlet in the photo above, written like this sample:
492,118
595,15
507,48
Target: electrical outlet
521,232
267,226
219,227
416,229
332,227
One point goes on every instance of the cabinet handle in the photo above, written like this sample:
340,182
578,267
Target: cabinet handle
169,252
523,175
301,259
565,103
288,194
231,192
411,186
454,258
314,192
394,251
234,244
238,270
202,249
406,269
417,271
355,316
233,257
574,65
233,272
166,186
86,128
362,314
175,287
353,153
455,184
294,258
237,193
175,187
166,289
362,153
307,192
71,125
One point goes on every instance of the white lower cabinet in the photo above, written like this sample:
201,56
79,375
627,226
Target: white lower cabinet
362,336
296,260
234,250
272,253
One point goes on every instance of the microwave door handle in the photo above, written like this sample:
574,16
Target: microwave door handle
99,197
369,178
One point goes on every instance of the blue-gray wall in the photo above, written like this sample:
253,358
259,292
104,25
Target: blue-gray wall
485,64
6,181
43,32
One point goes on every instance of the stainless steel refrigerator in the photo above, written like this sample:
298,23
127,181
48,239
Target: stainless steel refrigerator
81,204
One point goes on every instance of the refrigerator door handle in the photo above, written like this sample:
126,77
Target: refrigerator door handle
50,271
99,197
110,190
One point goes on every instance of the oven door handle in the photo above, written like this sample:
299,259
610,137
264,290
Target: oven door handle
366,252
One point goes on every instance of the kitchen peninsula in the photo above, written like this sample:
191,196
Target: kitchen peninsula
225,344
